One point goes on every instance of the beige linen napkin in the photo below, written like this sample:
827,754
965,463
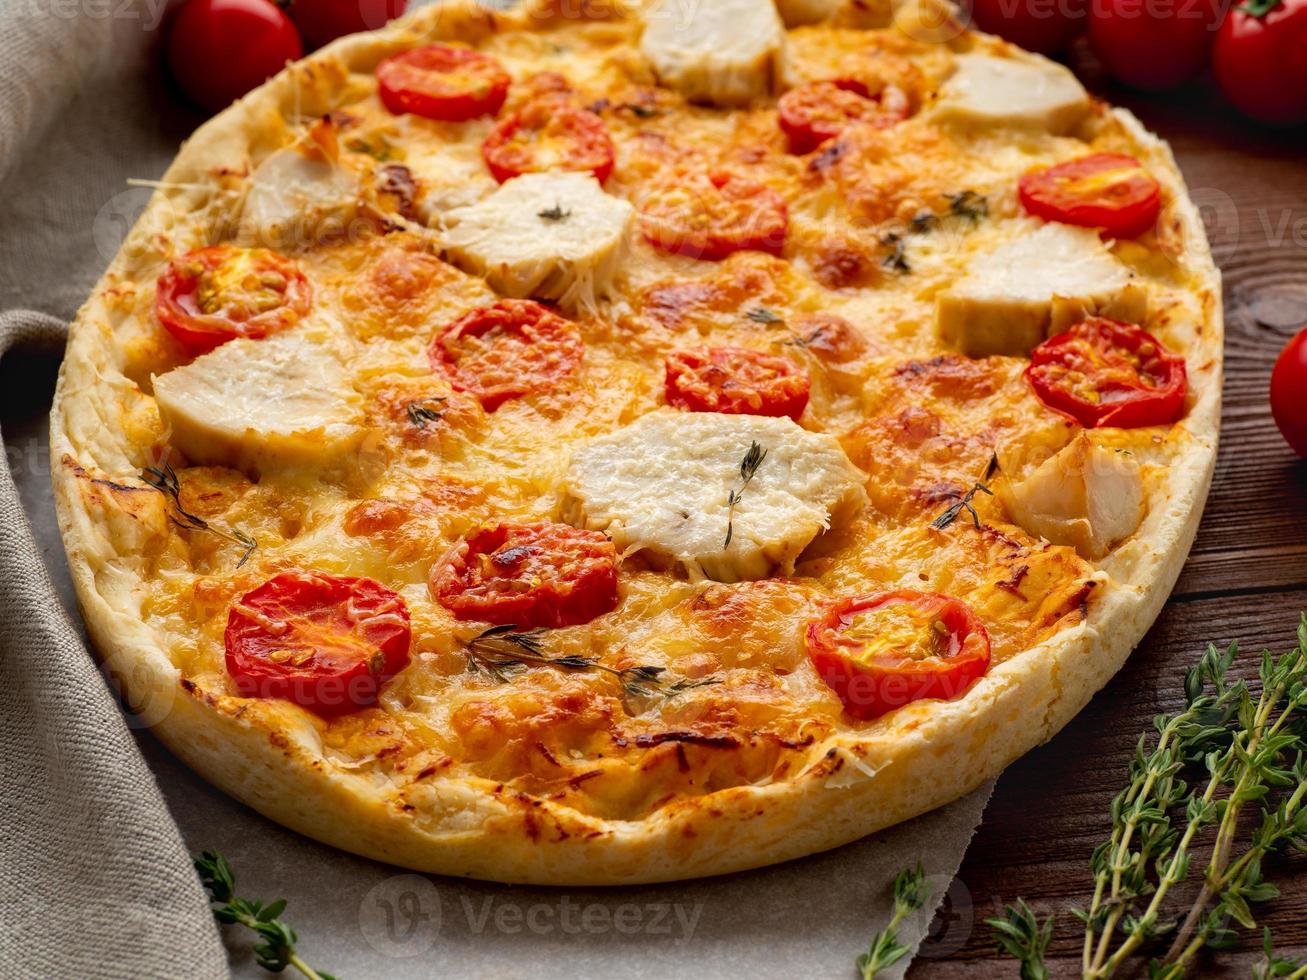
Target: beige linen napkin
94,876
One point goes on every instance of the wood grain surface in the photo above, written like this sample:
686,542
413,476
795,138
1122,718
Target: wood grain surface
1246,578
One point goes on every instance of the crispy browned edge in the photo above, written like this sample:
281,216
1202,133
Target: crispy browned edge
268,756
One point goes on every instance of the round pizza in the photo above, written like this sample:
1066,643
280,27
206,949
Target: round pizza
601,443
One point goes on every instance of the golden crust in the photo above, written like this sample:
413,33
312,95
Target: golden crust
849,783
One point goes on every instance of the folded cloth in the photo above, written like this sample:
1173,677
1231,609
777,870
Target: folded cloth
95,880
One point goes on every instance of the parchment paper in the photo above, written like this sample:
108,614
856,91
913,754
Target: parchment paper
65,207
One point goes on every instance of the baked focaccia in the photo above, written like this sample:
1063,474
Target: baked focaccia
595,444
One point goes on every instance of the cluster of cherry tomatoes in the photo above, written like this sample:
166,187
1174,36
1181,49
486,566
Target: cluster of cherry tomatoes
220,49
1257,48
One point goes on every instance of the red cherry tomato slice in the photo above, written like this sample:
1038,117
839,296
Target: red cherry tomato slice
530,575
326,642
549,133
1110,191
508,350
712,217
880,652
735,381
220,49
1104,373
814,113
217,294
1288,401
443,82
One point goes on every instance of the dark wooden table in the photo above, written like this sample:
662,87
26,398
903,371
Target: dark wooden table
1246,578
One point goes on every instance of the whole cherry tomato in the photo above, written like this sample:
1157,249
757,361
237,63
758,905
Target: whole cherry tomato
1288,383
220,49
1153,44
321,21
1043,27
1260,60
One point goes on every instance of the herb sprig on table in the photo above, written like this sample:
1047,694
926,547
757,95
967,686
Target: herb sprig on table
1193,784
276,951
885,949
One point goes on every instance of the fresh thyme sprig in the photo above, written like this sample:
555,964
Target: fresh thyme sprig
164,479
554,214
1022,936
760,314
1245,746
502,651
748,468
423,412
964,502
886,950
277,949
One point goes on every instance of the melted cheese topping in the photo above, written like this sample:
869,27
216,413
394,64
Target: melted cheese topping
876,236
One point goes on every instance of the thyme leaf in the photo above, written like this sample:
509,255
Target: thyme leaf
885,949
1023,937
968,205
276,949
748,468
760,314
897,257
964,503
554,214
502,651
164,479
424,411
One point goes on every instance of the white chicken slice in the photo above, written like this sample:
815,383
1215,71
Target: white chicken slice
1035,285
552,236
1085,496
664,486
259,405
296,198
724,52
1030,92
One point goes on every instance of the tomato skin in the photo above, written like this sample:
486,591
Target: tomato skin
442,82
576,137
537,576
1261,62
735,381
1125,207
811,114
1124,377
1288,398
507,350
220,49
1153,45
322,21
1046,29
871,688
710,217
199,332
356,629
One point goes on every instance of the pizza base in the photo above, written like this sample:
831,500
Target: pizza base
273,761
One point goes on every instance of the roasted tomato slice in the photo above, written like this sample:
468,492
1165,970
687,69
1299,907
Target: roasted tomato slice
530,575
208,297
710,217
507,350
1111,191
1105,373
549,133
879,652
811,114
326,642
735,381
443,82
